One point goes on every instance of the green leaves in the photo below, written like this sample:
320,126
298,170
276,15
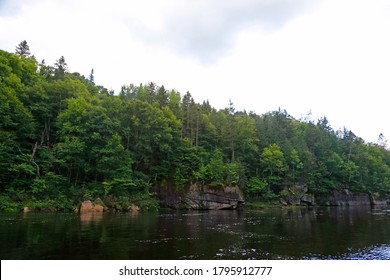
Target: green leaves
272,159
62,135
17,129
259,189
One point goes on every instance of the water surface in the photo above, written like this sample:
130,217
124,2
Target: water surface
280,233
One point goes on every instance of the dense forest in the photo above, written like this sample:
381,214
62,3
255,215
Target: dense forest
64,139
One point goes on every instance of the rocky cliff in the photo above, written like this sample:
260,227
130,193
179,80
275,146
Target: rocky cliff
298,195
344,198
198,196
347,198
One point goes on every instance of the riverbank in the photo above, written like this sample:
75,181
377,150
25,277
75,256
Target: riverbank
196,197
141,202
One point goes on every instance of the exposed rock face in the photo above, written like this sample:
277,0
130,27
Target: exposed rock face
134,208
297,195
98,208
308,199
345,198
88,207
376,201
204,197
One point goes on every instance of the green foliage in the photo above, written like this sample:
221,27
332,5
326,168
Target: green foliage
124,187
256,187
146,201
8,204
274,165
49,185
185,161
216,168
64,139
296,164
273,159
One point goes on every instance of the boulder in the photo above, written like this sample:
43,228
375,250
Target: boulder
98,208
308,199
297,195
88,207
134,208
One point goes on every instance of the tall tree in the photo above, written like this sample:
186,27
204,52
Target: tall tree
61,67
190,119
23,49
231,129
162,96
382,141
91,77
273,163
16,134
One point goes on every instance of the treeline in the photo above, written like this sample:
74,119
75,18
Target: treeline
64,139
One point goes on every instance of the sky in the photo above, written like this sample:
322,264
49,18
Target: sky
312,58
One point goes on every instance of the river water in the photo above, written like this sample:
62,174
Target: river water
276,233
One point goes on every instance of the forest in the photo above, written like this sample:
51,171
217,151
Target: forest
64,139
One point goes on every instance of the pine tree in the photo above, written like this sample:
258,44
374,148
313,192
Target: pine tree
60,68
91,77
23,49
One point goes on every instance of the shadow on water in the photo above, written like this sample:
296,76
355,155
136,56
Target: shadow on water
278,233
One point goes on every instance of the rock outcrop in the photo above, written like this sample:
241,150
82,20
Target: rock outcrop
134,208
308,200
297,195
377,201
199,196
345,198
89,207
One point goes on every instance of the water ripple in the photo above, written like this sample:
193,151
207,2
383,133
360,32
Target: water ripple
375,252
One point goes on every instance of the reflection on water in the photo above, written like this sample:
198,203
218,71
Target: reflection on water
280,233
86,218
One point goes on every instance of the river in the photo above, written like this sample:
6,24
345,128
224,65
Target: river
275,233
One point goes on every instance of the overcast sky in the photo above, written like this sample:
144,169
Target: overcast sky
330,58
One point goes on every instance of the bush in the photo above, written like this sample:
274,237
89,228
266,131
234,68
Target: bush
9,205
146,201
258,189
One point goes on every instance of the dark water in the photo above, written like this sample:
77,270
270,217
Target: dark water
317,233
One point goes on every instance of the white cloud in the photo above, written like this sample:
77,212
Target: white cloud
330,57
206,29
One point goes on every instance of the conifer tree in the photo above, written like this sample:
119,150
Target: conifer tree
23,49
60,68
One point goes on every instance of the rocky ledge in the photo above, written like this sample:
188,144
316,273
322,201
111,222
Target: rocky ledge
198,196
345,198
298,195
